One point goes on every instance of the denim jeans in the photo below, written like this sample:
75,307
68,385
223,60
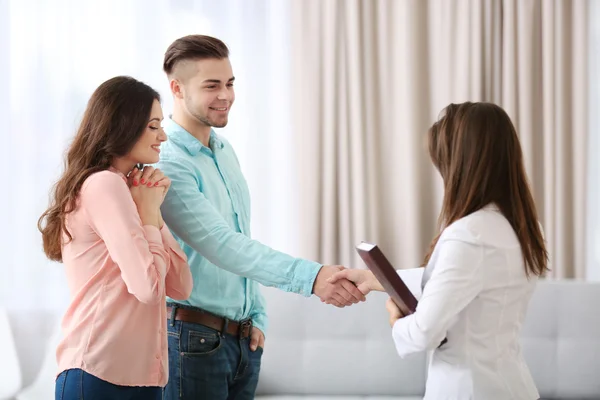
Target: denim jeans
76,384
207,365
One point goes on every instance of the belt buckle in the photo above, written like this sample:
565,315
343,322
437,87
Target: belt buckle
245,324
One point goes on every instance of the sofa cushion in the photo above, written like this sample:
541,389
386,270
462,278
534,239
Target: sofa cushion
10,367
561,339
314,348
339,398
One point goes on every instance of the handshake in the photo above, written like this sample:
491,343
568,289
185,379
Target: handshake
343,287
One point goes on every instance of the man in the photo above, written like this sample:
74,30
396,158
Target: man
216,336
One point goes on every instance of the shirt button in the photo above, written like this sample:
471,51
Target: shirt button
158,356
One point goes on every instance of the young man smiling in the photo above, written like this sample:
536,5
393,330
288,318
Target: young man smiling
216,337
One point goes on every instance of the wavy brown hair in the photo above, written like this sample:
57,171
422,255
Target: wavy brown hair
476,149
116,116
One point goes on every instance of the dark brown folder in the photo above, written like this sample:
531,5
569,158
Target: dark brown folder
388,277
390,280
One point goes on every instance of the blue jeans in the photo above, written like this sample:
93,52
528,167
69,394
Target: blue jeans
76,384
206,365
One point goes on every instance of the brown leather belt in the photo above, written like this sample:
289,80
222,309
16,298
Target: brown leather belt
243,329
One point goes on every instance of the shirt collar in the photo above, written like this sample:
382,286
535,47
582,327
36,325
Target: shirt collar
492,207
179,135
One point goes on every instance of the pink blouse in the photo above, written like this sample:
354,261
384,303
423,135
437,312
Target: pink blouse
119,272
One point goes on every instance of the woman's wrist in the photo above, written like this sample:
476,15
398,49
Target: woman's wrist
374,284
150,218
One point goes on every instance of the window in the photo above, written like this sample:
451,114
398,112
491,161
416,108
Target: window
60,51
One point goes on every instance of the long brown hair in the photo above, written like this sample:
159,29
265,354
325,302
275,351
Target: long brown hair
115,118
476,149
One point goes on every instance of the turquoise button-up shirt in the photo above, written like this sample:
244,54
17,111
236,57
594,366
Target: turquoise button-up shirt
207,209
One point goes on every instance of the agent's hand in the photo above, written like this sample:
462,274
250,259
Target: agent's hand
394,311
362,278
341,293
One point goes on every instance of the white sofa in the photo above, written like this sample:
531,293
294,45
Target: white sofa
314,351
36,334
318,352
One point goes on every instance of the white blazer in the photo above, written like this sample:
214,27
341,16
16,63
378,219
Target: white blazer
475,294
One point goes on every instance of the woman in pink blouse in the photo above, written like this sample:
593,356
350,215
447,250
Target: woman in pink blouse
104,224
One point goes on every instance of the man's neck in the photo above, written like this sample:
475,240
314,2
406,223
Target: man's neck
195,128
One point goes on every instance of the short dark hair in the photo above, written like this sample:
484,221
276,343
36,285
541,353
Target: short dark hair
194,47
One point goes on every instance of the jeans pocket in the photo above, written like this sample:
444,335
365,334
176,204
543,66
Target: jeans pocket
201,343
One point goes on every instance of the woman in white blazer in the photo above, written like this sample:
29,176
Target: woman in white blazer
482,267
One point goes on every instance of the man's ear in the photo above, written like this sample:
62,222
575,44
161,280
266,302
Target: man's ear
176,88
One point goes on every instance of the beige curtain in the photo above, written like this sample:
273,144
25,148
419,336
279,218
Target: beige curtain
371,76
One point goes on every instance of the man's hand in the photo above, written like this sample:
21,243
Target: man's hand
362,278
257,338
394,311
341,293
